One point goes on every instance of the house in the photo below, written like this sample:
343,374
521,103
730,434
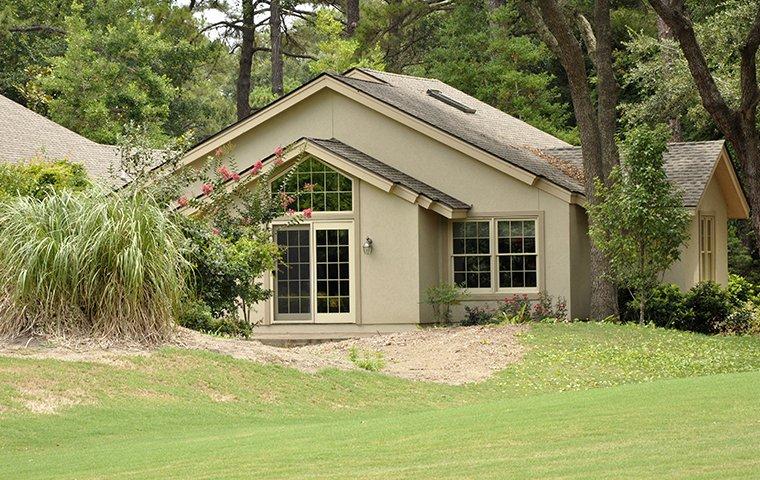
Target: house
423,184
26,135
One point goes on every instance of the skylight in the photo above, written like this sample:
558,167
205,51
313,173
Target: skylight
438,95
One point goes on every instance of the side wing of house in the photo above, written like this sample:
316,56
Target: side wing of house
704,257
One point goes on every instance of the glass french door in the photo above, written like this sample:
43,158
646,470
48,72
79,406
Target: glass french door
314,282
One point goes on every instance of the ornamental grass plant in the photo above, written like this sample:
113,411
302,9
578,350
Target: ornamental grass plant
94,264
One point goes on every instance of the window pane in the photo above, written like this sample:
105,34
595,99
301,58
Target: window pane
293,273
316,186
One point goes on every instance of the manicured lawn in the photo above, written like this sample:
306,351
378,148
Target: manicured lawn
197,415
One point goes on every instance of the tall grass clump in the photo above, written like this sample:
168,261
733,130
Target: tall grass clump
93,264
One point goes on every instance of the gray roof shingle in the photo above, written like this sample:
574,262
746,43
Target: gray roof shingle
25,135
488,128
687,164
389,173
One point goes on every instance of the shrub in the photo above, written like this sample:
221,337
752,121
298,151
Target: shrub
196,315
94,264
709,305
372,361
442,297
520,309
741,291
744,320
667,307
478,316
40,177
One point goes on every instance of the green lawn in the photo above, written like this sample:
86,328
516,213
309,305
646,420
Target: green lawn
196,415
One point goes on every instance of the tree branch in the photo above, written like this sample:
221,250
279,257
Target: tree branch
672,13
38,29
528,10
749,90
588,35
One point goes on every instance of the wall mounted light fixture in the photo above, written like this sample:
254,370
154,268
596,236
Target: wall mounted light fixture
367,246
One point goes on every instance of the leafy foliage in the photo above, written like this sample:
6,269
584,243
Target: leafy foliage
639,221
40,177
90,263
372,361
442,297
336,53
709,306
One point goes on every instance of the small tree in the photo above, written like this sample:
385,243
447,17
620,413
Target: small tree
640,222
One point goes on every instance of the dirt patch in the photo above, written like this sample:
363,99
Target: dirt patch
43,401
446,355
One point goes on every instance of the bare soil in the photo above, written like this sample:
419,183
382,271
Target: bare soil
446,355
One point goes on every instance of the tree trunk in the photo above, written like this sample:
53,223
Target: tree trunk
642,309
243,84
607,89
664,33
352,17
275,40
596,150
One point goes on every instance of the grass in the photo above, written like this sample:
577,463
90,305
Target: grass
181,414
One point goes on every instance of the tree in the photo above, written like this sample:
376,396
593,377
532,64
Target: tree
639,221
597,121
737,122
501,63
335,53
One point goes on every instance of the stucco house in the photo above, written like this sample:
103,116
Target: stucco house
444,188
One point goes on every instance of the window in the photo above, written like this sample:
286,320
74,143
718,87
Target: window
517,253
495,255
706,247
317,186
293,273
472,254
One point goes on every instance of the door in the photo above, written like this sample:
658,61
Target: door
334,258
314,281
293,278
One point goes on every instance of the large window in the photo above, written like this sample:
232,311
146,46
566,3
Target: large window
317,186
495,254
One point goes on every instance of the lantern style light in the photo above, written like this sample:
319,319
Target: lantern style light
367,246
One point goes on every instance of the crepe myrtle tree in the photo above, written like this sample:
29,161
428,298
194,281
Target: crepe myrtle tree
227,224
639,221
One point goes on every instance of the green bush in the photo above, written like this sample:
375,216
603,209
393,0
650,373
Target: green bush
741,291
38,178
667,307
478,316
709,305
196,315
90,263
442,297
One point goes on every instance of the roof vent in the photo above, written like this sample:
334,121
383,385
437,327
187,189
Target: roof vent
438,95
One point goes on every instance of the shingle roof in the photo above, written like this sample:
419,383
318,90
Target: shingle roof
25,135
488,128
389,173
687,164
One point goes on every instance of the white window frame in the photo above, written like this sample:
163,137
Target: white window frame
494,255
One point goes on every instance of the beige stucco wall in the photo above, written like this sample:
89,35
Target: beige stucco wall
411,244
685,272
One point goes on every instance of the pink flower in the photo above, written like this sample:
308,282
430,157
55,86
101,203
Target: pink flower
278,151
218,152
308,187
307,212
278,161
207,188
286,199
235,177
290,212
224,172
257,167
215,231
182,201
